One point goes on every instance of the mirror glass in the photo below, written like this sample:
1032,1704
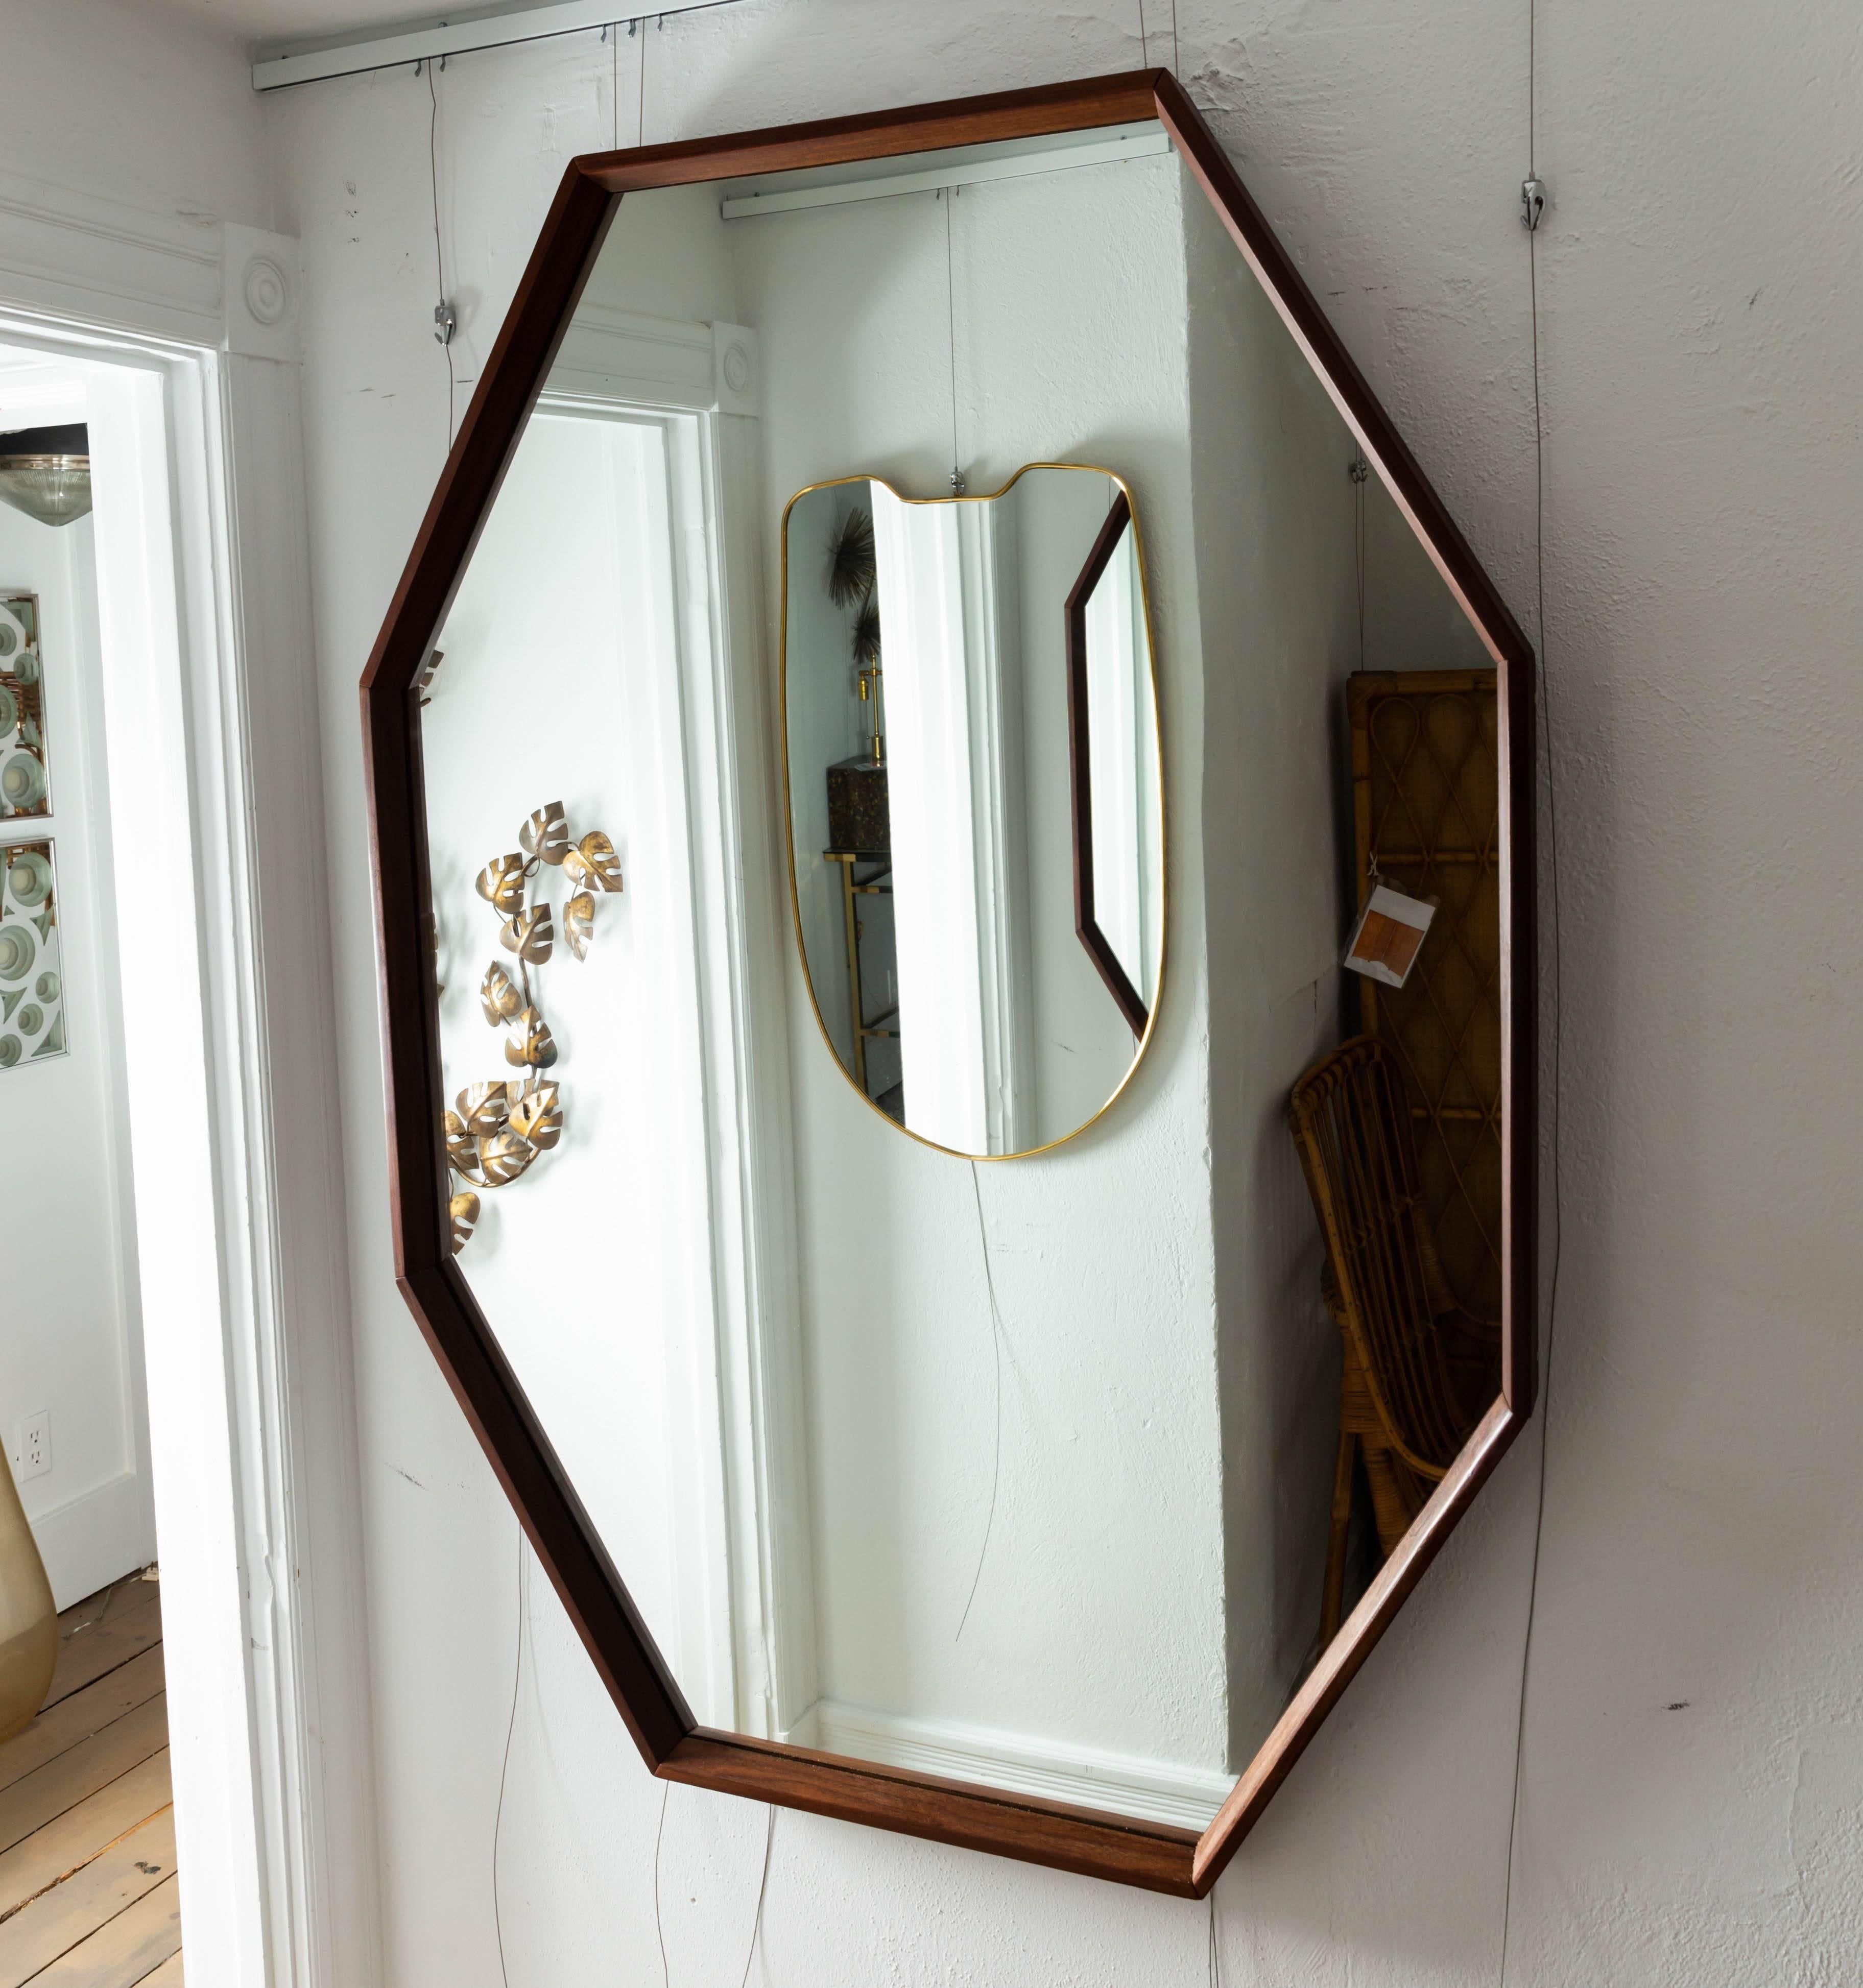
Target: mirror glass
953,1385
975,815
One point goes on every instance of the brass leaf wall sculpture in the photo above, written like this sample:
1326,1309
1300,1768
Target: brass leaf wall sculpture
496,1129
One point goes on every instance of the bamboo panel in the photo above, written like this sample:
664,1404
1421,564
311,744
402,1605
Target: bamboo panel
1426,809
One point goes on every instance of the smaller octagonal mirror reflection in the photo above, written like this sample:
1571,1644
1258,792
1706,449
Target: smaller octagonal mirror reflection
967,856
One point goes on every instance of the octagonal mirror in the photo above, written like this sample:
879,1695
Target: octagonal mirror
953,832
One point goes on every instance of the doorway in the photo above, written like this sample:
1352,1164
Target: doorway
186,830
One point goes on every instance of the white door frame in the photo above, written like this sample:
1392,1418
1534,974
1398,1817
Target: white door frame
700,383
237,1156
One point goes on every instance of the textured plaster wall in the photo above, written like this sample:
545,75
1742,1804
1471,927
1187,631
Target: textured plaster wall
1702,291
134,104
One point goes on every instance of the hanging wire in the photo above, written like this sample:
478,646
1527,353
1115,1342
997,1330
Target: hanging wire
1144,51
612,35
949,195
666,1788
503,1770
1175,65
757,1924
1360,472
996,1340
433,173
1215,1951
640,124
1552,818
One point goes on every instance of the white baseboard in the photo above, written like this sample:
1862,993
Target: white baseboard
1129,1784
97,1538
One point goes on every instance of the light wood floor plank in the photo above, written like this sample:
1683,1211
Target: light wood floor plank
45,1794
118,1599
100,1647
59,1919
131,1593
127,1951
166,1976
80,1834
84,1712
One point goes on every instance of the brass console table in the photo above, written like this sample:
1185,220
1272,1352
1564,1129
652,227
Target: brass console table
876,884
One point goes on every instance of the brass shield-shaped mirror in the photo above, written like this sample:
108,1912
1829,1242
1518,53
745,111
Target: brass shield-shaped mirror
971,730
884,563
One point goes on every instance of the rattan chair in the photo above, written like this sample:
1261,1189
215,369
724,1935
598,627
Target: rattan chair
1399,1403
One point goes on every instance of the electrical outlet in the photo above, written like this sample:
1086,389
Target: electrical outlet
33,1456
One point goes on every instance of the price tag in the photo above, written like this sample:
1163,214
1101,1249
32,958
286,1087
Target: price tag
1388,935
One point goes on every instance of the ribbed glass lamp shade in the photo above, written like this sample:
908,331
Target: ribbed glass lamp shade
45,472
55,489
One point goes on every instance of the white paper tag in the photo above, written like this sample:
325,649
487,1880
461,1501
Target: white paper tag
1388,935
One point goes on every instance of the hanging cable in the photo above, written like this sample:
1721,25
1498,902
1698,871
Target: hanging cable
445,319
1533,202
666,1788
498,1822
949,195
756,1923
1175,63
1216,1953
640,125
1359,471
1145,48
996,1340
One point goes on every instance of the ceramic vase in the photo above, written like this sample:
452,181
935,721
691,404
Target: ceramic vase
28,1622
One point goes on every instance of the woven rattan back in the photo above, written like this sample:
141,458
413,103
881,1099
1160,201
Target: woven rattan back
1352,1121
1426,794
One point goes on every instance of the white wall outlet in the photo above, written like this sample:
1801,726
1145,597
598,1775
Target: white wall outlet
33,1454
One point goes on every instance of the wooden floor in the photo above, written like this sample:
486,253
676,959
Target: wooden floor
87,1885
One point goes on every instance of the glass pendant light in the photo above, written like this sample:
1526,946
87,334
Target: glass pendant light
45,472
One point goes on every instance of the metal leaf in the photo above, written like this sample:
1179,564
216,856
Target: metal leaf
482,1107
498,996
547,833
530,1042
505,1158
530,934
592,865
424,683
463,1212
501,884
536,1114
461,1146
578,923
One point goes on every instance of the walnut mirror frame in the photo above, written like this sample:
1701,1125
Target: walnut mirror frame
1180,1861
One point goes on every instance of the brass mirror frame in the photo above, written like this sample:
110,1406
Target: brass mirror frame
1096,562
1175,1860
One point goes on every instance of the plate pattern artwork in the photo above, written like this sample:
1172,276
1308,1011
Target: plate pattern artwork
31,973
25,785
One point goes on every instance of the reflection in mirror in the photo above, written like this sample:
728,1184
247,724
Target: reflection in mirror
1118,869
1055,1476
940,662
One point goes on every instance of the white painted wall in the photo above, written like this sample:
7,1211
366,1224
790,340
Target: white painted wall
135,102
1277,598
1700,302
71,1323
